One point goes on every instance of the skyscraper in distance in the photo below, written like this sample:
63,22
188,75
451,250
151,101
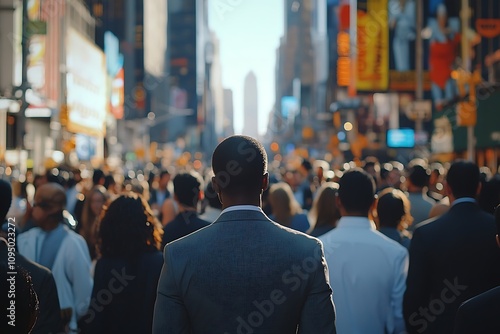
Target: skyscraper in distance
250,106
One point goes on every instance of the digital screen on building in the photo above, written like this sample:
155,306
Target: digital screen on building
400,138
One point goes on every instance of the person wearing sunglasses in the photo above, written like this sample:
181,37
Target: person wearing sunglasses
54,245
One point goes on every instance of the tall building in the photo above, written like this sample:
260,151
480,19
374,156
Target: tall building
228,113
217,90
125,20
157,66
191,56
250,106
302,65
166,57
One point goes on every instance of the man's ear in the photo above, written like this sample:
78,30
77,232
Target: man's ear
479,187
215,185
217,189
338,202
265,181
498,240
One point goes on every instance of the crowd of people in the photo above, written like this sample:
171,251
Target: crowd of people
246,246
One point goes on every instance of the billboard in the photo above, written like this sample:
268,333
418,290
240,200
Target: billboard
85,85
372,68
373,46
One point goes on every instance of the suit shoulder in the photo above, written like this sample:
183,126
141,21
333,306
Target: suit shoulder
193,238
296,238
488,299
428,224
32,266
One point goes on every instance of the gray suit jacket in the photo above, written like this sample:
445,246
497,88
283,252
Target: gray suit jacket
244,274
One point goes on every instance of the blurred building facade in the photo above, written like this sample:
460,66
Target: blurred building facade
57,99
302,72
168,55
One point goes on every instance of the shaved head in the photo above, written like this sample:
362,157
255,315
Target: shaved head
51,193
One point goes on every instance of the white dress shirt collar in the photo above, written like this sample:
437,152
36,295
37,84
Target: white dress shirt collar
242,207
356,222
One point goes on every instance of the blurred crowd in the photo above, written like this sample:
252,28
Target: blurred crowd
113,221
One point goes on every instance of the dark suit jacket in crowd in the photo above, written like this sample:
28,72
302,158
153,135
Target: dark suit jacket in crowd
183,224
452,259
49,315
123,296
480,314
244,274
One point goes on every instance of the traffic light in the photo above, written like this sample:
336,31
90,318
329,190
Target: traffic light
11,132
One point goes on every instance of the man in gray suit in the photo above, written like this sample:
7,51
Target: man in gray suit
244,273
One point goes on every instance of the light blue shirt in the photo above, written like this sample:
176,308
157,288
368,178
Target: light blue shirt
368,277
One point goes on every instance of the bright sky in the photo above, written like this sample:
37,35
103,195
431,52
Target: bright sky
249,33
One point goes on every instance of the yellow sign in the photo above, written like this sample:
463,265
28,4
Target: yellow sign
373,47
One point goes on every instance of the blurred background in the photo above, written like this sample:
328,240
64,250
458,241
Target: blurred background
135,84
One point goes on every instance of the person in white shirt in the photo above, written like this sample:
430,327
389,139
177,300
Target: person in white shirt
53,245
367,270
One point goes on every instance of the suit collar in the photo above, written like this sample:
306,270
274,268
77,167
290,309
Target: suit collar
464,200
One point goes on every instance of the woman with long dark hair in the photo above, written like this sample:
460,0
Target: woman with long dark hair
127,272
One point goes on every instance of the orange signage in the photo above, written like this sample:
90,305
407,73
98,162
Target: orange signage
343,61
407,81
488,28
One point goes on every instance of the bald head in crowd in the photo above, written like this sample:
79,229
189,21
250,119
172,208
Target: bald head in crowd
50,201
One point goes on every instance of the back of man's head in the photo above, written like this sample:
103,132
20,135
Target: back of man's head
187,189
356,191
418,173
385,170
98,177
52,195
463,179
239,164
5,199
